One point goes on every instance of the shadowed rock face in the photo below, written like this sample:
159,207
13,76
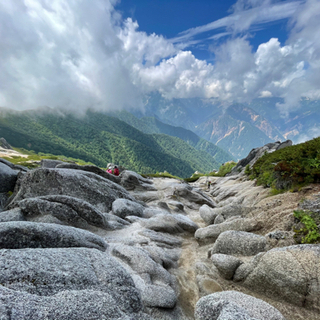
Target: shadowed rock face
8,178
87,186
18,235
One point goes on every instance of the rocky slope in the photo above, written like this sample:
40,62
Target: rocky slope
79,243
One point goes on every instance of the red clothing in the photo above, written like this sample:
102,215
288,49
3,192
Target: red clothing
116,171
109,171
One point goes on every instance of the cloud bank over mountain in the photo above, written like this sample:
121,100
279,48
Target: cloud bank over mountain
79,54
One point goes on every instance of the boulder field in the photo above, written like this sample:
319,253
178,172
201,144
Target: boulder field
79,243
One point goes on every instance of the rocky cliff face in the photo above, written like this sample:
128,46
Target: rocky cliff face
79,243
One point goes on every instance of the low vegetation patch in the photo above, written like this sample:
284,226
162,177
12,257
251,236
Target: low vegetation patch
307,230
223,170
160,175
33,159
289,168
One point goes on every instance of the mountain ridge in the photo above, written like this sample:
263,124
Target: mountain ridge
100,139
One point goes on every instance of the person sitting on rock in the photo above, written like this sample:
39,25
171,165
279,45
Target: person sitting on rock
116,171
109,170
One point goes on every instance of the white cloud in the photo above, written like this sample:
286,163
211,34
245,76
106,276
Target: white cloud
246,14
79,54
265,94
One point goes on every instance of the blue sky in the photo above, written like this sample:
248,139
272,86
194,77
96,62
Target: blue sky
107,54
172,18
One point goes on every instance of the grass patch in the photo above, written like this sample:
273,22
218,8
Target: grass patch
33,160
309,232
160,175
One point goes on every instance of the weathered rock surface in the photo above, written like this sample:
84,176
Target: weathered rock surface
123,208
208,214
162,239
227,265
133,181
89,168
212,232
170,223
67,210
19,235
291,274
87,186
193,196
4,144
239,243
50,164
232,305
70,304
150,278
48,272
12,215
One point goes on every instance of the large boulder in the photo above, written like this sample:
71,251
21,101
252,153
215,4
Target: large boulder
232,305
191,196
290,273
212,232
4,144
208,214
12,215
19,235
14,166
90,187
67,210
8,178
123,208
50,164
48,272
176,223
227,265
239,243
89,168
154,282
71,305
131,180
162,239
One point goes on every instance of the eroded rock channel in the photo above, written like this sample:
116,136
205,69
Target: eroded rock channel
79,243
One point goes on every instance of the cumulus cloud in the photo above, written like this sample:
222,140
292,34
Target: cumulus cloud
72,54
79,54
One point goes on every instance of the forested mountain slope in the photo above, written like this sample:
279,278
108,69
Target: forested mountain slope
154,125
100,139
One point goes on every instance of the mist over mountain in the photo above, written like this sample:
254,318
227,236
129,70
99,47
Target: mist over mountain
237,128
100,139
151,125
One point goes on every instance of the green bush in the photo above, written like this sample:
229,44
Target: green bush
290,167
309,233
225,168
